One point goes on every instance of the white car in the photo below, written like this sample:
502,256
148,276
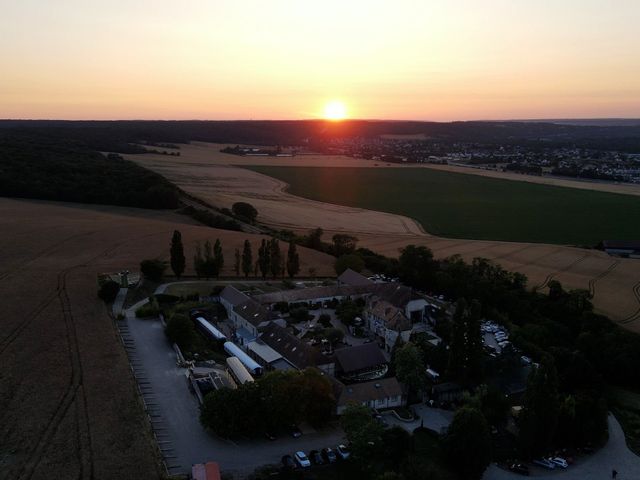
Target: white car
301,459
543,462
560,462
343,452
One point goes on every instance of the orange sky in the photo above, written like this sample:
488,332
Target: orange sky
215,59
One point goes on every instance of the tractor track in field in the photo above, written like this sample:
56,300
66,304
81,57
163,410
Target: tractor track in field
74,393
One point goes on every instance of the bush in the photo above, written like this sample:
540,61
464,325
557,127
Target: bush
180,330
299,314
150,309
153,269
245,211
325,320
108,291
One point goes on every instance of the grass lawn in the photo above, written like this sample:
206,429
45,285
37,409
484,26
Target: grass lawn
625,405
470,206
205,287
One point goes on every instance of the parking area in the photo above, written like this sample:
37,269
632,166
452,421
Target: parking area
174,411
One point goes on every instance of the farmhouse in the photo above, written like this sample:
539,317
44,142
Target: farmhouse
386,321
378,394
246,315
315,294
296,352
360,363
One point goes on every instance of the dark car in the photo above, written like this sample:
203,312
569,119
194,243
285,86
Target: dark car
269,436
288,462
315,457
519,468
294,431
329,455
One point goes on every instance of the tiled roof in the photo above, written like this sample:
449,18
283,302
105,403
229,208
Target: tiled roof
351,277
295,350
374,390
233,295
360,357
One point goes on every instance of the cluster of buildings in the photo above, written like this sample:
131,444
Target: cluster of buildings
584,163
358,372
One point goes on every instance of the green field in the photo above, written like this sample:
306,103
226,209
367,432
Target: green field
470,206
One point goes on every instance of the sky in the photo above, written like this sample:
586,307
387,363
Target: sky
285,59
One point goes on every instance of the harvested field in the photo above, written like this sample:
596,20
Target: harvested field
68,402
205,172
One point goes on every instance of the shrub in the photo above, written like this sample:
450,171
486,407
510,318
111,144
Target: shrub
245,211
325,320
153,269
180,330
299,314
150,309
108,291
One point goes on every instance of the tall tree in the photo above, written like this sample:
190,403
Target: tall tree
363,433
247,258
198,261
293,260
204,261
465,353
177,254
218,257
264,258
467,444
416,267
236,264
538,419
314,239
409,366
275,257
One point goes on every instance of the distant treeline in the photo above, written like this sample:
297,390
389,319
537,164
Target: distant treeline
121,136
50,168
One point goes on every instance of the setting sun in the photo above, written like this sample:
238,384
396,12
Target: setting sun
335,110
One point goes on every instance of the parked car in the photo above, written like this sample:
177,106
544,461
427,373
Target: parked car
329,455
560,462
315,457
288,463
343,452
301,459
294,431
519,468
269,436
543,462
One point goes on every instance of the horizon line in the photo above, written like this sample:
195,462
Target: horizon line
524,120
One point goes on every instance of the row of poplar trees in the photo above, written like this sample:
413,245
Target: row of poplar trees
209,259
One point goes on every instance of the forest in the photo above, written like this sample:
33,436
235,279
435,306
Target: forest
39,166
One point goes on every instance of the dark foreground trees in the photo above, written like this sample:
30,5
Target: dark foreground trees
178,261
467,444
270,403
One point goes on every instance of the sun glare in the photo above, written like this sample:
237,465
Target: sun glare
335,110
